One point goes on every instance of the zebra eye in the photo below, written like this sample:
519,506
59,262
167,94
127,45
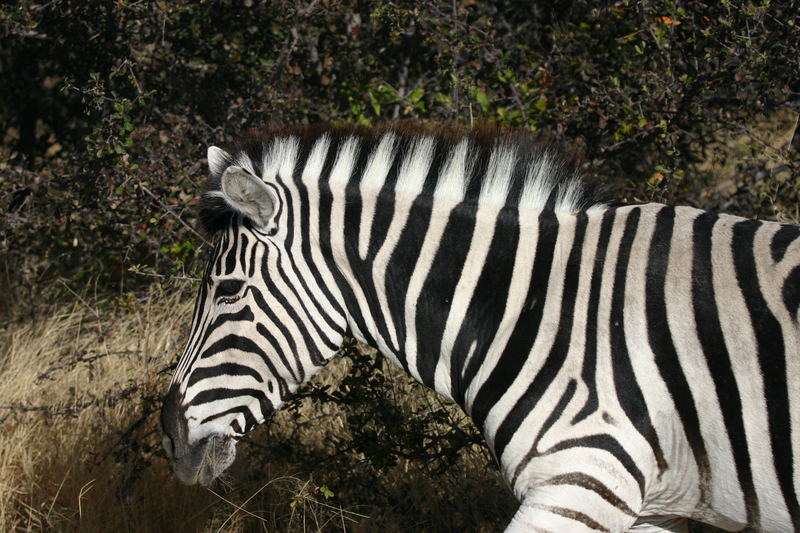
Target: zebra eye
228,288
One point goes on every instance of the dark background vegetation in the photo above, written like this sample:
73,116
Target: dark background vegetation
107,107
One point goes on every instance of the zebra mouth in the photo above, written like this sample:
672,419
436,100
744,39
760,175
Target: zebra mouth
204,462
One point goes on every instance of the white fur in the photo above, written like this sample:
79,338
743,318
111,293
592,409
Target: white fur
538,183
315,162
380,161
452,181
281,158
415,166
218,160
500,170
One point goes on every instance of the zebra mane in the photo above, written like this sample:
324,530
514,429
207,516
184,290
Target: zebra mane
487,165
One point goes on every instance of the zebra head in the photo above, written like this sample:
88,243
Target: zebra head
261,325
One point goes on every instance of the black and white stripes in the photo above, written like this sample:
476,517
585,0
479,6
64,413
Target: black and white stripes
629,366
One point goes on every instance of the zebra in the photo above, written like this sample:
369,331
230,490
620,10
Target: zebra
629,366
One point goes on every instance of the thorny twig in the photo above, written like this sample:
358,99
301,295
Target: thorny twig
170,212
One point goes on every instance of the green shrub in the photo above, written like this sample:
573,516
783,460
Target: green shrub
107,106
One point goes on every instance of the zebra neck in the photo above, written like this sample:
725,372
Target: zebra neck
439,286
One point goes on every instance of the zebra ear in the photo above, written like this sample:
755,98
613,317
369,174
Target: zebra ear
249,196
218,160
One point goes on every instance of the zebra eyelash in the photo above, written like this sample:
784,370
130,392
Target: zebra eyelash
229,290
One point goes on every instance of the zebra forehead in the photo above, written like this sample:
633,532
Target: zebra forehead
484,164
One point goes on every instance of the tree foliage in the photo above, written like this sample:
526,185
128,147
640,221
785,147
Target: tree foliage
107,106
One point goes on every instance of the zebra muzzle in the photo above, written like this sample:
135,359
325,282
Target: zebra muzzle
193,460
205,461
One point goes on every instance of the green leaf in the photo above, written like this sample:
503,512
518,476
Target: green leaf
376,106
483,100
444,99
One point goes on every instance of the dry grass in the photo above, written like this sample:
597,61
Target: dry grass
75,387
79,449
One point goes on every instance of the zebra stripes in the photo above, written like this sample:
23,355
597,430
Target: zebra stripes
629,366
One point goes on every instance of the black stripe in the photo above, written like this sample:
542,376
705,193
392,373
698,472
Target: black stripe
243,253
287,203
441,151
557,412
627,386
210,263
325,228
305,230
230,251
235,342
212,395
224,369
791,292
591,483
712,340
402,262
250,421
524,159
404,257
485,309
251,265
590,342
771,357
384,206
219,252
242,315
560,347
577,516
605,442
526,329
481,154
782,239
660,338
261,302
439,287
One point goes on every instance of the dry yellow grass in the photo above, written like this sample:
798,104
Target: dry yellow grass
73,381
79,449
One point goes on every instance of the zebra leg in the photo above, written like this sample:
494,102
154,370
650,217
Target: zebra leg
661,524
